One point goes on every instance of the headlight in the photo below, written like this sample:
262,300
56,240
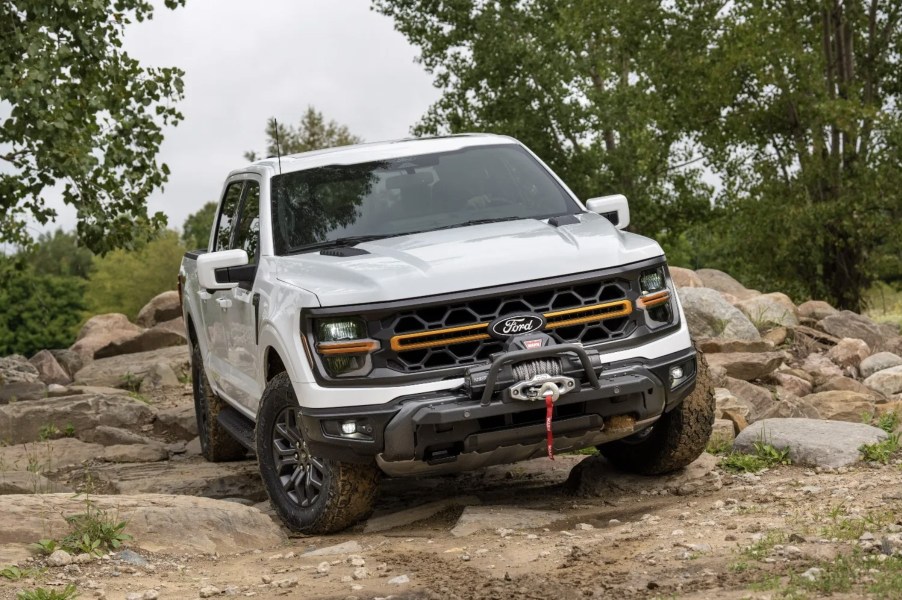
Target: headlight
652,280
344,346
655,297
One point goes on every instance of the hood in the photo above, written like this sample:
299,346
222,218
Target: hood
464,258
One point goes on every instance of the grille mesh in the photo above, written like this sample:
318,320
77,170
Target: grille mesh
467,321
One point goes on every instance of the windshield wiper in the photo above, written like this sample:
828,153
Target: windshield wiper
472,222
342,241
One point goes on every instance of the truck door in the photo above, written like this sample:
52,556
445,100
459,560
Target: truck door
242,315
215,304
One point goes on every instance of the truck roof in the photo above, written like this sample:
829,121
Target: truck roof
366,152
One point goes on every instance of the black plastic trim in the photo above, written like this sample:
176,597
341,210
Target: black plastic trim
239,427
193,254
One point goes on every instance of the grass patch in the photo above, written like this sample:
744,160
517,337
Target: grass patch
763,547
843,527
763,457
92,532
854,573
719,446
888,421
590,451
881,451
67,593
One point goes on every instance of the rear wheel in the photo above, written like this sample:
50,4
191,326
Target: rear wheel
311,494
216,444
675,440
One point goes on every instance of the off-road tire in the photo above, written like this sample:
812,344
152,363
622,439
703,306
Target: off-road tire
216,444
675,440
344,493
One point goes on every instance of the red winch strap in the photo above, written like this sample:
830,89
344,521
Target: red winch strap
549,410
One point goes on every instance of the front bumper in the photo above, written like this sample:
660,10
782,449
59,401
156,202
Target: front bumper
454,430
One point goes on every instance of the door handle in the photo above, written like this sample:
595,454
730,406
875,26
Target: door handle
224,303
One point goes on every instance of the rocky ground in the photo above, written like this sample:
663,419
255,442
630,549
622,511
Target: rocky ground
806,501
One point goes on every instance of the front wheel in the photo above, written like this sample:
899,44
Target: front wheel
675,440
310,494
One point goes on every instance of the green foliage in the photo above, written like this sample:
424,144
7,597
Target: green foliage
59,254
719,446
92,532
45,547
83,115
14,573
764,456
196,231
763,547
49,431
795,106
37,311
312,133
123,281
881,451
888,421
599,90
67,593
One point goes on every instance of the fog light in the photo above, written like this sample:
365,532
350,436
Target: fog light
349,427
676,373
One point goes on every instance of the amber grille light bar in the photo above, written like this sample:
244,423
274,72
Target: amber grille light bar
477,332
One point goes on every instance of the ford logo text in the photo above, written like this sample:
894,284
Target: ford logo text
516,325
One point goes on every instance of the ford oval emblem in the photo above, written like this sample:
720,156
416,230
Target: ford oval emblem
505,327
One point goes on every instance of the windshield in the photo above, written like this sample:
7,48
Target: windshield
412,194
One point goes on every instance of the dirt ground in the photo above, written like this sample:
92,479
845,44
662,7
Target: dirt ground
789,532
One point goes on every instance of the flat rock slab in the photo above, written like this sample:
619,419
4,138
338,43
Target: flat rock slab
812,442
23,421
350,547
25,482
747,366
184,477
595,476
400,518
477,518
158,523
128,370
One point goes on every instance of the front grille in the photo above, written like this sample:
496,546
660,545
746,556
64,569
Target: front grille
455,334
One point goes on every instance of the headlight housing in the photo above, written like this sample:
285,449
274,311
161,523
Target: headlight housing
343,346
655,296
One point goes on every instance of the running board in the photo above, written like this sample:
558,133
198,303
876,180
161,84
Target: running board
239,427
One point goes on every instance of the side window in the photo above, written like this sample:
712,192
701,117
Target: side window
227,214
248,237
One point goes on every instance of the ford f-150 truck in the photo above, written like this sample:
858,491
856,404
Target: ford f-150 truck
430,306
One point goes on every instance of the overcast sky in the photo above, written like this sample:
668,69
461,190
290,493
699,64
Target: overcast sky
247,61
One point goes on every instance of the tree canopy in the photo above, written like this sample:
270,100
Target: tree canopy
196,231
313,132
83,116
793,106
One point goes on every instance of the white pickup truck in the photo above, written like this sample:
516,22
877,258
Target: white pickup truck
430,306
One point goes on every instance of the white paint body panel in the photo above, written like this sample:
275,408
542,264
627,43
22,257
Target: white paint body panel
404,267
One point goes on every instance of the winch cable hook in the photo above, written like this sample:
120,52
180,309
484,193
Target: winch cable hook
551,392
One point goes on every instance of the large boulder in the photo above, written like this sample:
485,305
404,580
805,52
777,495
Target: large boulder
27,482
812,442
715,345
759,400
879,362
101,331
849,353
158,523
816,310
685,277
179,421
708,315
129,370
49,370
184,477
793,383
887,381
19,380
842,405
163,335
747,366
820,368
71,362
769,310
788,405
23,421
847,324
720,281
163,307
843,384
49,456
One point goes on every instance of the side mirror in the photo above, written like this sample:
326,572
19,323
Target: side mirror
213,269
614,208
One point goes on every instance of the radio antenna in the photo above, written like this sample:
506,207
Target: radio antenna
278,145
